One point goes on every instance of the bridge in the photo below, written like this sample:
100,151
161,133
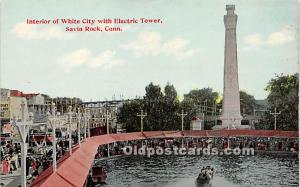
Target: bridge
73,170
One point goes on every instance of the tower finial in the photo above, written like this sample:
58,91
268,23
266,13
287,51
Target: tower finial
230,7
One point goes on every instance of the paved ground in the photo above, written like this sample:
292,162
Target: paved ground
11,180
15,183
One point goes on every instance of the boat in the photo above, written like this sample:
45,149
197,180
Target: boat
206,175
98,176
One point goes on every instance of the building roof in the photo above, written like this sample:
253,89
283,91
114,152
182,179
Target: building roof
30,95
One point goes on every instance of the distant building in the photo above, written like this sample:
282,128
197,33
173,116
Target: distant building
16,107
11,102
197,122
36,105
5,111
97,109
4,106
62,104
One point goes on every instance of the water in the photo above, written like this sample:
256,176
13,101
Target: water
177,171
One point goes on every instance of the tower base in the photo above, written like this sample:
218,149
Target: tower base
225,127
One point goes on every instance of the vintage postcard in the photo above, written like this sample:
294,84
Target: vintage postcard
195,93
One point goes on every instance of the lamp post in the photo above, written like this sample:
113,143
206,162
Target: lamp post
78,125
275,114
86,123
70,129
89,124
107,129
23,128
182,115
53,121
142,116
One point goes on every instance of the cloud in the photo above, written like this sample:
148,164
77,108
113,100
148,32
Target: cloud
33,32
281,37
150,43
84,58
256,40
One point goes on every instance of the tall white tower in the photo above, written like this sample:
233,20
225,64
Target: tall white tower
231,117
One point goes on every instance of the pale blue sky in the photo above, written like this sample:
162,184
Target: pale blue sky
187,49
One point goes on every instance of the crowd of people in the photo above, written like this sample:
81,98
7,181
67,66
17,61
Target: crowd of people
39,154
10,157
266,144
